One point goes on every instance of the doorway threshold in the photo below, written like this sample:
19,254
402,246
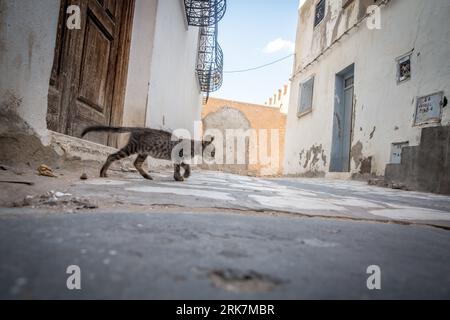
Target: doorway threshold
78,149
339,175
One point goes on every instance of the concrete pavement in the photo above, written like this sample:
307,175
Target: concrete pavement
218,256
313,197
221,236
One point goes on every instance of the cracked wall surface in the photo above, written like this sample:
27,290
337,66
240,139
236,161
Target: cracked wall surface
383,111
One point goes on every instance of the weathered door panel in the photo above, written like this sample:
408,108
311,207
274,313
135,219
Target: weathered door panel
343,121
91,100
347,127
84,90
56,85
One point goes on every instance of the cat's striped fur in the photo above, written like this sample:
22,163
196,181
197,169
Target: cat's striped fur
145,142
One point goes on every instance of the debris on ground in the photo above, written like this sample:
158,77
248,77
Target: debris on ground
11,169
386,184
46,171
17,182
84,176
62,194
376,182
242,281
58,200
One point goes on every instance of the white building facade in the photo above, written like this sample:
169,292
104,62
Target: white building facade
368,77
280,99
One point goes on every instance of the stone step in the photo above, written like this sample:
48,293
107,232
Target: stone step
74,148
425,167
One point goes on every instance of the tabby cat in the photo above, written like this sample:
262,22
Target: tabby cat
157,144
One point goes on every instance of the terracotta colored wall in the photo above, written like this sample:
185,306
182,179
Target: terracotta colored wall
260,117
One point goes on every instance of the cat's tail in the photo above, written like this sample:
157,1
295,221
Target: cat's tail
107,129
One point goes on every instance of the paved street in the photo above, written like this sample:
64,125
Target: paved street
311,197
225,236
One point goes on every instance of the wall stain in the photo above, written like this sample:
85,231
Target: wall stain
324,158
356,153
31,39
372,133
301,154
313,156
366,165
363,163
308,157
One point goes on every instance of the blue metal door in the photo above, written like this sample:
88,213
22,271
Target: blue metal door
343,122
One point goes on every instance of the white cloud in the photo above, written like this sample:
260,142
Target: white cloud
279,45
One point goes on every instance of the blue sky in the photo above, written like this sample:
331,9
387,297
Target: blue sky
253,33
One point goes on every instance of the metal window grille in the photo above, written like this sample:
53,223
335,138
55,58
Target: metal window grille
320,12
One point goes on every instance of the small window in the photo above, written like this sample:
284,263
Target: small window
404,68
306,97
349,82
396,152
320,12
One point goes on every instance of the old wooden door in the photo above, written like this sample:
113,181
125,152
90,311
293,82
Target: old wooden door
88,80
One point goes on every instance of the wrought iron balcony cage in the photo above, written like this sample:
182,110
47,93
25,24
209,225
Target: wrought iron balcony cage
210,60
204,13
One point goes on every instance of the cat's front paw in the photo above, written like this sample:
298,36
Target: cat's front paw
179,178
148,177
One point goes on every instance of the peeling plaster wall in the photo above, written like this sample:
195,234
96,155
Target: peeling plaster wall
27,44
383,110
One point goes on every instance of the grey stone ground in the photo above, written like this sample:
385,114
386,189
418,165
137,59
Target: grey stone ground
225,236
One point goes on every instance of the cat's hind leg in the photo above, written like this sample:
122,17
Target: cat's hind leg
187,170
122,154
138,164
177,174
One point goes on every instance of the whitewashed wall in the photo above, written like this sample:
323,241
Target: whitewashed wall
144,21
174,99
381,106
27,44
